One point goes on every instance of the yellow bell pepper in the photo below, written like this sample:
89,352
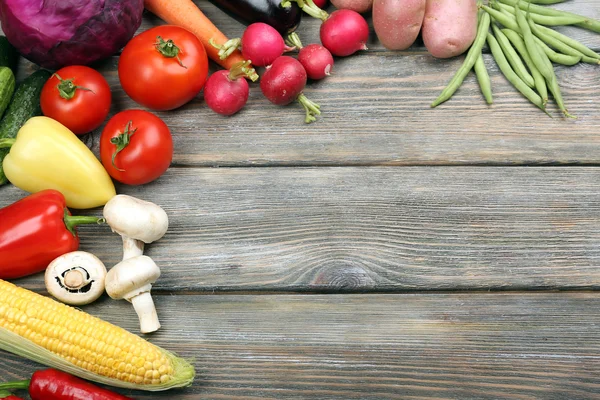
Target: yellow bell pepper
47,155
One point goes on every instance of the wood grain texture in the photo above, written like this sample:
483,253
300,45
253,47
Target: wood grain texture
421,346
367,229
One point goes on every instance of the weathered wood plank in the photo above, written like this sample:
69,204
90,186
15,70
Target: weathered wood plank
422,346
368,229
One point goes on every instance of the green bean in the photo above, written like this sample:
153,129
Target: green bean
504,19
532,47
570,41
559,58
483,78
574,55
519,44
510,74
513,58
588,23
547,19
473,53
545,2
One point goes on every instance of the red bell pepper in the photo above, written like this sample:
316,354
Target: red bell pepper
34,231
51,384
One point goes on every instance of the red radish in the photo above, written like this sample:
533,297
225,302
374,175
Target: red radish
283,82
260,43
343,32
226,92
321,3
316,59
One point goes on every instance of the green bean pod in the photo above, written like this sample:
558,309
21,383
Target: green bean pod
533,49
547,19
577,45
559,45
510,74
473,53
508,21
545,2
485,84
559,58
519,44
588,23
513,58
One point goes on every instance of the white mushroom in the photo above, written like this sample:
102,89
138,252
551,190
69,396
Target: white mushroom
132,280
137,221
76,278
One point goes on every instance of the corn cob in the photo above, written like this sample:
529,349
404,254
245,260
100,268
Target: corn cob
62,337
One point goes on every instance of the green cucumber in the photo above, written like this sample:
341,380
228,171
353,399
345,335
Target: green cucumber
7,88
24,105
8,55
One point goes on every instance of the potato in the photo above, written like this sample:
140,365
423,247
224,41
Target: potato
449,27
397,22
360,6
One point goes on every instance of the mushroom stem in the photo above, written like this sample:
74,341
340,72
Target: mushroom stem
74,279
132,248
144,307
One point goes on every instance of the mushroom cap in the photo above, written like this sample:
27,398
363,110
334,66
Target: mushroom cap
136,218
76,278
131,277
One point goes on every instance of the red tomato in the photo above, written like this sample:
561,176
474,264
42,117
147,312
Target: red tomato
78,97
163,68
136,147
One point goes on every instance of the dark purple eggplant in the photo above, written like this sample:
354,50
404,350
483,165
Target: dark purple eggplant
284,19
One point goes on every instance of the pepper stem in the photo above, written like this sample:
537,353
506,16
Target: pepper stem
226,48
7,143
309,7
310,107
121,141
241,69
72,221
67,89
168,49
18,385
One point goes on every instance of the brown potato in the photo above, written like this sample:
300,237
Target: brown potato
397,22
449,27
360,6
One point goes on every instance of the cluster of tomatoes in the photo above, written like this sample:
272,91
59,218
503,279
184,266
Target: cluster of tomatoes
136,146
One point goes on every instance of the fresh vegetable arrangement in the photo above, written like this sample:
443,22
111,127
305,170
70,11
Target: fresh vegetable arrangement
525,47
164,68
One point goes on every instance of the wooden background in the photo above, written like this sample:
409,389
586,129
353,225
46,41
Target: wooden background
388,250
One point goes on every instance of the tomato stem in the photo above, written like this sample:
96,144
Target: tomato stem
168,49
66,87
121,141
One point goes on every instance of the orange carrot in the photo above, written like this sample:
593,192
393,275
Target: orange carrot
186,14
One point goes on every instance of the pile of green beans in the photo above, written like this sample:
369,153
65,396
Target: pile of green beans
524,46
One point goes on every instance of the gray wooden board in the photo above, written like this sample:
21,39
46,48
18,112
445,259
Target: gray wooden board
414,346
367,229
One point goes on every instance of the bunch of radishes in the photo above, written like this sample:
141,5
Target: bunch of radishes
342,33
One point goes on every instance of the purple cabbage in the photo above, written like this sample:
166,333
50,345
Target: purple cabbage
57,33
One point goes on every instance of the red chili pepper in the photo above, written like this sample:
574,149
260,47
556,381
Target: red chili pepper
51,384
4,395
34,231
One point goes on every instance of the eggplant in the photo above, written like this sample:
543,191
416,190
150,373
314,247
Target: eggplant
284,19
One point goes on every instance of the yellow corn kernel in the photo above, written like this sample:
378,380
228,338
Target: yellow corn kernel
99,349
